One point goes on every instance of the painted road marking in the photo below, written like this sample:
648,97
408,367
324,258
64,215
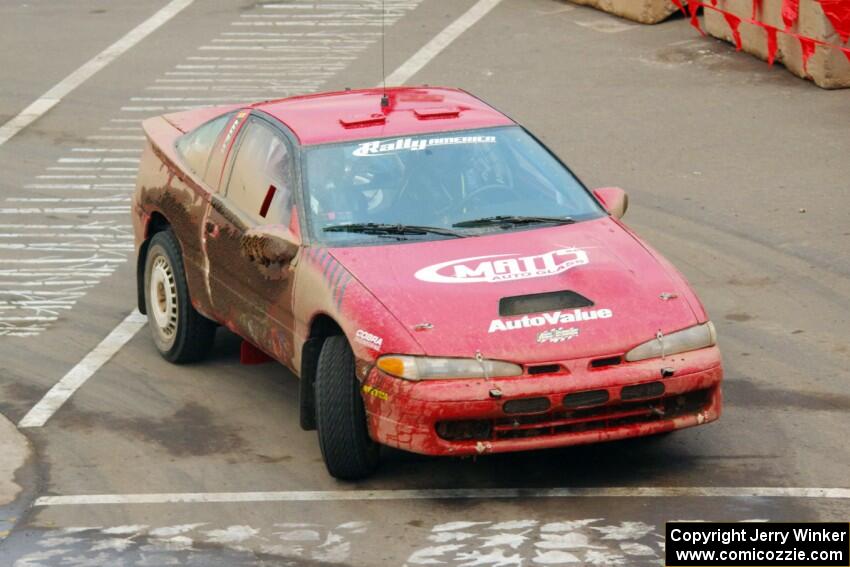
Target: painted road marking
309,50
446,494
606,25
486,542
77,376
591,541
442,40
197,543
52,97
305,48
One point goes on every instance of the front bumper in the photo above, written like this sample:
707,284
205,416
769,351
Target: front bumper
468,417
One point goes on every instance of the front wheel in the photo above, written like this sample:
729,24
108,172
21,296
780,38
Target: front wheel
180,333
348,451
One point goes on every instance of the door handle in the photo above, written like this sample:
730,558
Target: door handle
211,228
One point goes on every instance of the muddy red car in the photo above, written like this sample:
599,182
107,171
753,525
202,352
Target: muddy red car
439,281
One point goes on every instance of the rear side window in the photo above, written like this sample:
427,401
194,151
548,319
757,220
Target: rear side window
195,146
261,177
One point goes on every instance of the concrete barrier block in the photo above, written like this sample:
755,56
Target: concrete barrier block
828,68
643,11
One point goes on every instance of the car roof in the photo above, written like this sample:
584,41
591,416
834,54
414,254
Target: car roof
357,114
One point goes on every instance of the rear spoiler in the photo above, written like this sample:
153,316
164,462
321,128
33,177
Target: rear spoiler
191,119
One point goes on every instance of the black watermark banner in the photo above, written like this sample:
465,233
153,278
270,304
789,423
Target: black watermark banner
757,544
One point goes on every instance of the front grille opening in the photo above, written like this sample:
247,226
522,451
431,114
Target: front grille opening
561,420
542,302
586,399
543,369
642,391
607,361
467,430
526,405
603,417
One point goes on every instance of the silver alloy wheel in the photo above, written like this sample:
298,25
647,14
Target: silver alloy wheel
162,299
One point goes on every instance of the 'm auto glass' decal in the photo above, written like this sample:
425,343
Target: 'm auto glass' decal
503,267
551,318
416,144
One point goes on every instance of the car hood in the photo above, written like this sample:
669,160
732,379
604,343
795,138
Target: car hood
447,293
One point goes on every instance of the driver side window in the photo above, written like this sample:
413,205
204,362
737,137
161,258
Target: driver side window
261,177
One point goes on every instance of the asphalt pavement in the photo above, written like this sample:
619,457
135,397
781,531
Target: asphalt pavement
737,173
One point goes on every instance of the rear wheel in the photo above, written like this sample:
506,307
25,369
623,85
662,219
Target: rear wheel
180,333
348,451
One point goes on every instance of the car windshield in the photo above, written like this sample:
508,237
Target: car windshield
462,183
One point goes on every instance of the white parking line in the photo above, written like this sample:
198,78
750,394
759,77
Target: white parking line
52,97
36,283
447,494
64,211
440,42
77,376
116,137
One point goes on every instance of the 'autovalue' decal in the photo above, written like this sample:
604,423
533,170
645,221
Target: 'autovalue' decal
503,267
416,144
551,318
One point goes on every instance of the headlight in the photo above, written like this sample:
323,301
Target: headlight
426,368
693,338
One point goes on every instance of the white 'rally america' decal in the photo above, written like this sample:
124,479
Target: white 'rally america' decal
378,147
503,267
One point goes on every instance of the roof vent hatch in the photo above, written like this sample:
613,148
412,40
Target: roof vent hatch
363,120
437,112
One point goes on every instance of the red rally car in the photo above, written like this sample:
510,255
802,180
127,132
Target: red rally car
438,279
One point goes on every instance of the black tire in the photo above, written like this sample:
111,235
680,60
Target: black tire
348,451
180,333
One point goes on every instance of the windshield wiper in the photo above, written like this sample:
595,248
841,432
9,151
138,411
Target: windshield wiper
511,220
386,228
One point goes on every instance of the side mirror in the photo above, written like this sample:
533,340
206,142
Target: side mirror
614,199
269,244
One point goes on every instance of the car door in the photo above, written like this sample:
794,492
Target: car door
257,189
183,198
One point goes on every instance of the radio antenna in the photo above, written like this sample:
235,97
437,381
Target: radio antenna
385,101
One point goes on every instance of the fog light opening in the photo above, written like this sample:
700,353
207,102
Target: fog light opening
467,430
